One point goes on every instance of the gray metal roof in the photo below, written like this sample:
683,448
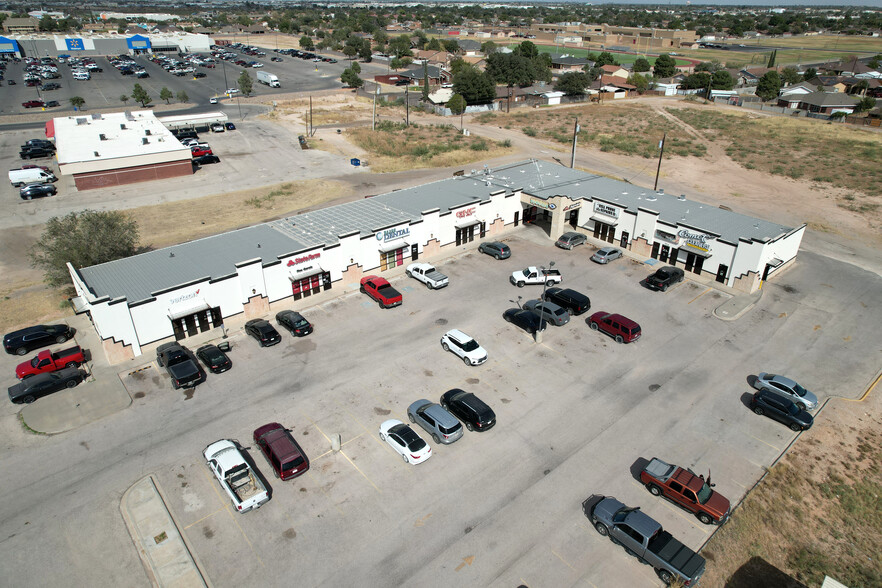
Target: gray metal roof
137,278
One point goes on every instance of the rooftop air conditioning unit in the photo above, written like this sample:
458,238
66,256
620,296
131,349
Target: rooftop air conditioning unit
96,154
102,137
122,127
144,140
147,132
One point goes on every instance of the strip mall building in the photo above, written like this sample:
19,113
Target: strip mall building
180,291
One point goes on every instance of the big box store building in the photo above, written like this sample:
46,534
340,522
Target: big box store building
186,289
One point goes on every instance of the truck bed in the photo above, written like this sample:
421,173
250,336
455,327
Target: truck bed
677,555
244,484
659,469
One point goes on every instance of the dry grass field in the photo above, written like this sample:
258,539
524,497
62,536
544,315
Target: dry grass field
819,510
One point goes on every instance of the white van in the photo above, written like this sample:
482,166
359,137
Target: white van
32,175
82,75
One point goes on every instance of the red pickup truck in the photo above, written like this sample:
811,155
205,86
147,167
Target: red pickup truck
381,291
684,488
47,361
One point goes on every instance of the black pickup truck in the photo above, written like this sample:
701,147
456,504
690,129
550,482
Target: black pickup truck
644,538
664,278
180,366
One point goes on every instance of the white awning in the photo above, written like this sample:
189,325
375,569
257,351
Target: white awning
393,245
468,223
188,310
608,220
307,272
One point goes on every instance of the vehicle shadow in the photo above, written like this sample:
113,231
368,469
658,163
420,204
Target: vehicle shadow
638,466
246,454
751,380
746,398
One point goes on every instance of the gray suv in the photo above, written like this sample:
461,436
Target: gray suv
440,424
570,239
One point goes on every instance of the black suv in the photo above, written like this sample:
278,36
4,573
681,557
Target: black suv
264,332
294,322
575,302
33,152
25,340
32,191
664,278
38,143
470,409
32,388
784,410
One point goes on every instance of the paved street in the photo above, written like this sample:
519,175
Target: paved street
575,412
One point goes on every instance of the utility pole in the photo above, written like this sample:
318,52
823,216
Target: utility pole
576,130
374,116
406,106
661,152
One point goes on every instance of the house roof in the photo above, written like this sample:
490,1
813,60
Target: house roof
568,60
417,73
829,99
616,81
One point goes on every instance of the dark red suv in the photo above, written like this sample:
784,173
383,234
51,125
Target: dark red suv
281,451
621,328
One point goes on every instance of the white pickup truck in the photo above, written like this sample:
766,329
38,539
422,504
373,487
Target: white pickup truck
536,275
243,486
427,274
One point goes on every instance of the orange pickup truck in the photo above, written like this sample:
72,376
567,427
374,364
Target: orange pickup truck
687,490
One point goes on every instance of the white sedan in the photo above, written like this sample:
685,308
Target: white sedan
463,346
405,441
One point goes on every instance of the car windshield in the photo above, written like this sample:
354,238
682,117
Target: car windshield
792,409
800,391
413,441
213,355
293,464
704,494
35,362
470,345
560,312
526,272
299,322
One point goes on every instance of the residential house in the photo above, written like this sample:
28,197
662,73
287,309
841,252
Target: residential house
437,58
751,76
565,63
791,96
475,60
832,83
436,75
615,71
828,102
21,25
668,85
469,47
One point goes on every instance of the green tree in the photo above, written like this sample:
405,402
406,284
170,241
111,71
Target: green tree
244,20
124,98
489,47
183,96
306,43
425,80
355,67
450,45
349,51
510,69
639,81
697,80
457,64
400,46
83,239
875,61
381,38
476,87
457,106
395,63
47,23
810,74
866,104
665,66
641,64
772,58
527,49
572,83
351,79
722,80
606,58
769,85
139,94
365,53
165,94
789,75
434,44
77,102
245,83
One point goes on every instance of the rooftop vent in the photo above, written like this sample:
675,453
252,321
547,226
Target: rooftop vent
96,116
96,154
662,191
122,127
102,137
82,121
682,197
148,132
144,140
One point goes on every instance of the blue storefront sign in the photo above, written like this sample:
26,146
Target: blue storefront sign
74,44
138,42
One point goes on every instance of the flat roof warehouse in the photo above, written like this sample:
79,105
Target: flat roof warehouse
139,278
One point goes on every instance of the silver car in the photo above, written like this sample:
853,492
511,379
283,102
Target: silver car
549,311
571,239
786,387
440,424
606,255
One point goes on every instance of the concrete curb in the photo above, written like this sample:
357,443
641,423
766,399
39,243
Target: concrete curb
168,558
737,306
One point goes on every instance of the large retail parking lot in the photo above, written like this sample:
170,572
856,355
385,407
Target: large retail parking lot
576,412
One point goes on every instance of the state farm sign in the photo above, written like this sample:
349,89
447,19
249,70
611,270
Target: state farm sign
465,213
303,259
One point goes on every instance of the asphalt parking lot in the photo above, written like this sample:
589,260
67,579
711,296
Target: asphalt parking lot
105,88
575,414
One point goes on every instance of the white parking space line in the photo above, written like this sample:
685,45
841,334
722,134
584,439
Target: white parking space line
208,516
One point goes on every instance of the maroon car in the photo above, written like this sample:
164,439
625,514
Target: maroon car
33,104
621,328
281,451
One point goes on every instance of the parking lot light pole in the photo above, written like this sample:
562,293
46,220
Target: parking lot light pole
538,333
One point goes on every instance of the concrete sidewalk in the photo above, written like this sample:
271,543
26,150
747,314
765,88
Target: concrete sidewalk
164,550
737,306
